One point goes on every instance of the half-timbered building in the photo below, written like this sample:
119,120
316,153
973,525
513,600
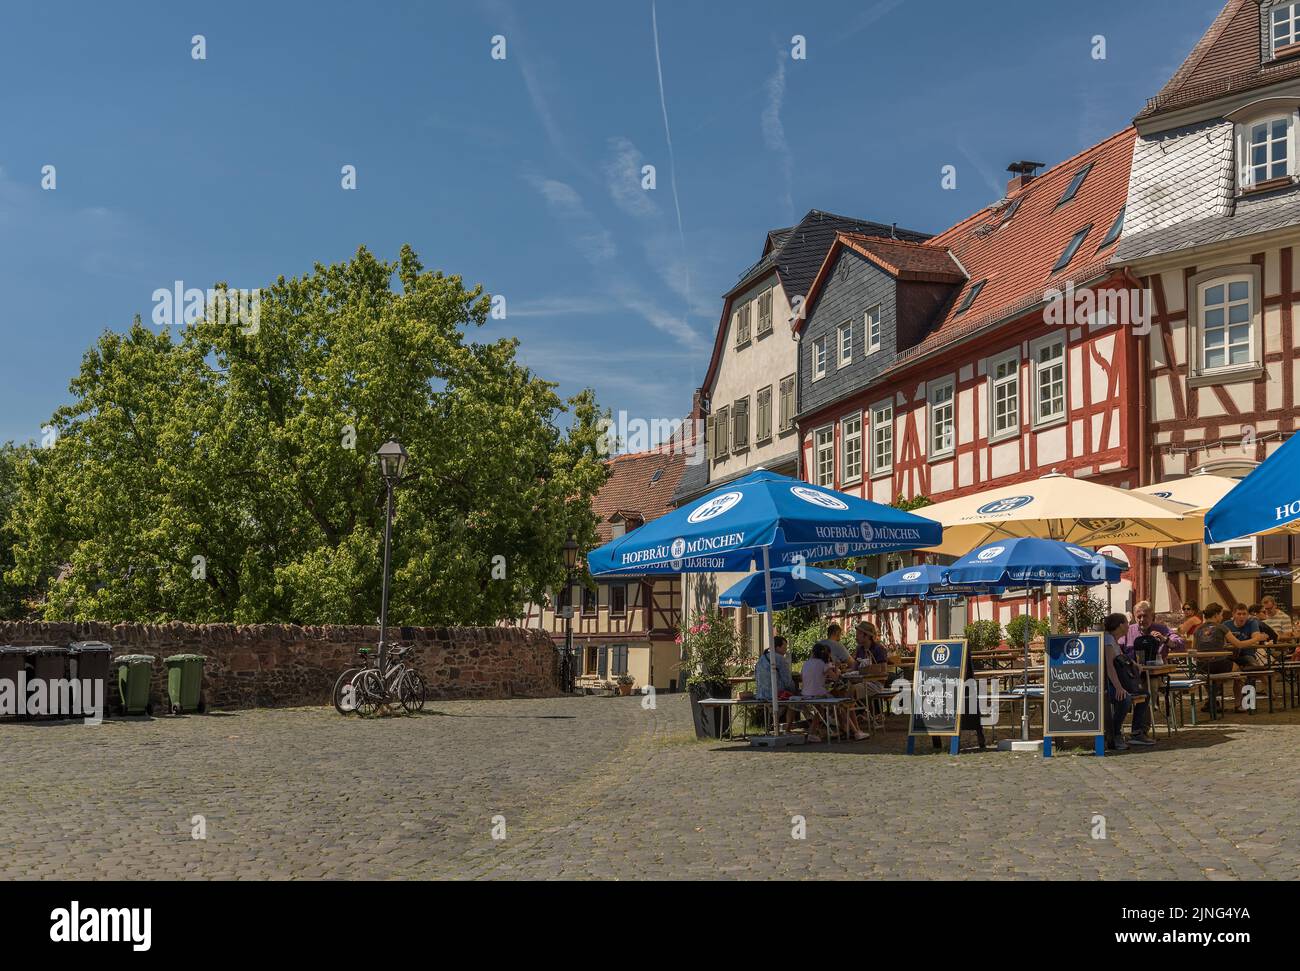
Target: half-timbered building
1212,230
624,624
996,352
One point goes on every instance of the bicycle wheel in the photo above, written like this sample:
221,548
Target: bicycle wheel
368,692
343,701
411,692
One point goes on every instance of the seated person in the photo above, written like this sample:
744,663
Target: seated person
839,654
870,650
1257,615
818,672
1276,618
785,680
1192,619
1244,637
1211,636
1146,626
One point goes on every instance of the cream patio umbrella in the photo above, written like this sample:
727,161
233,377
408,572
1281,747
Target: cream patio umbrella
1063,508
1059,507
1199,493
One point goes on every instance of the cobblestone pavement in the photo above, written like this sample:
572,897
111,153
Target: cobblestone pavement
602,788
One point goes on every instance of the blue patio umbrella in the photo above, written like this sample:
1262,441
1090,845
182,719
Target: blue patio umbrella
772,518
789,590
1266,501
1032,562
926,581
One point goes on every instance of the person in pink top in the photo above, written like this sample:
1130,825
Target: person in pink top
815,674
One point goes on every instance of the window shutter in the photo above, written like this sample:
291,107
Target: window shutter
1275,548
1180,559
604,661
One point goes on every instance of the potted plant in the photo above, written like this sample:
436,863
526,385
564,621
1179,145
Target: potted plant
625,683
710,646
983,635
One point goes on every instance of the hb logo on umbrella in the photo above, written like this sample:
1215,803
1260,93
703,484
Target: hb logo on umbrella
714,507
1004,505
992,553
822,499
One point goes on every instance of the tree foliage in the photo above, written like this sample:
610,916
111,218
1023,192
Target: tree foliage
217,474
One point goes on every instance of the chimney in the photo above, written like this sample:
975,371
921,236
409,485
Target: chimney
1022,174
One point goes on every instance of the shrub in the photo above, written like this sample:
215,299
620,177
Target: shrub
1016,628
983,634
710,647
1078,611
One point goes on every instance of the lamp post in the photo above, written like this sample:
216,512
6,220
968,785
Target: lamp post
392,463
570,561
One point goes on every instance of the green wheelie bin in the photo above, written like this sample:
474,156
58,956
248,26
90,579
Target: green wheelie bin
185,682
134,683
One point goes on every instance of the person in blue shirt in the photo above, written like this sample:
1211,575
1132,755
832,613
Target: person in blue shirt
1244,637
785,680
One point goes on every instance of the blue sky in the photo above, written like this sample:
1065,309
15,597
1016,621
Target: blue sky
518,174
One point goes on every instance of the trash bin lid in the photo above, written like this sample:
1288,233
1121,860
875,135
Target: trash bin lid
10,649
181,658
88,647
46,650
133,659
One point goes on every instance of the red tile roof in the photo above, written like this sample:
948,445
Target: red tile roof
1228,58
629,490
1016,258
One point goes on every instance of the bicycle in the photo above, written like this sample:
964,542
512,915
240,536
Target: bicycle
370,688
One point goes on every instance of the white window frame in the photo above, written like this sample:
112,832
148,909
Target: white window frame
824,441
878,468
1246,179
819,357
1013,357
943,384
1293,25
850,475
871,329
1252,340
1038,370
844,344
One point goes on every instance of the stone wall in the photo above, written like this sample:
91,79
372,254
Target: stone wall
271,665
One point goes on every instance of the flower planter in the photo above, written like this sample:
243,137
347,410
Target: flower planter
710,722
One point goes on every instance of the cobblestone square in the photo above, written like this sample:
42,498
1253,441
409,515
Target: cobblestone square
600,788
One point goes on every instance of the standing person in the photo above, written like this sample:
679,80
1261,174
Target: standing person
1122,683
1277,618
784,677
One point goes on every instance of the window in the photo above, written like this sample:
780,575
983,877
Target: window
618,659
824,456
1075,185
942,424
1011,211
1226,338
971,296
618,599
1116,228
765,312
819,358
742,324
1005,397
1224,342
1049,381
763,429
882,438
740,423
722,433
787,403
593,660
851,448
588,600
1266,148
1286,26
871,326
846,343
1071,248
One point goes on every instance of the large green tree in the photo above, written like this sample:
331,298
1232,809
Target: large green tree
223,472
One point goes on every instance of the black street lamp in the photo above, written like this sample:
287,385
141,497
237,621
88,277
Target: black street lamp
392,463
570,561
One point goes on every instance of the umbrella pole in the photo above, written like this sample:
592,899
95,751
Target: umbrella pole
1024,710
771,644
1203,589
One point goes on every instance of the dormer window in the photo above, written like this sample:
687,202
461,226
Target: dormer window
1075,185
1285,33
1071,248
971,296
1266,148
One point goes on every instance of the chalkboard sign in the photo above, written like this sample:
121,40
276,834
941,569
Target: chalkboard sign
937,688
1276,584
1075,695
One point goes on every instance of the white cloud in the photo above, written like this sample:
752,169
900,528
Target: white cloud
774,131
623,179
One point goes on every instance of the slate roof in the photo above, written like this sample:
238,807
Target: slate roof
1015,259
907,261
797,252
1228,59
630,489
